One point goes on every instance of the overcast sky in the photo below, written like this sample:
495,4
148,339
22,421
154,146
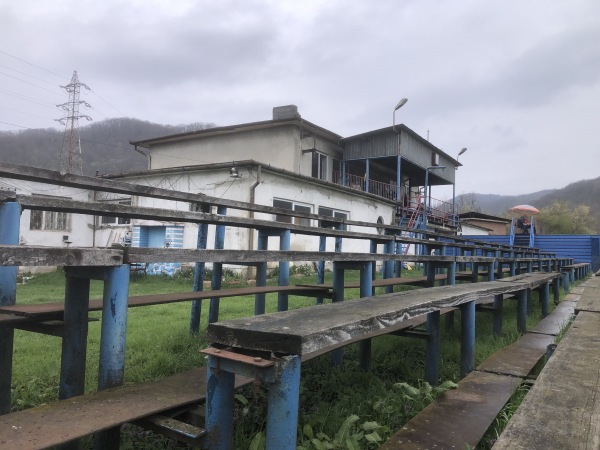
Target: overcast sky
517,82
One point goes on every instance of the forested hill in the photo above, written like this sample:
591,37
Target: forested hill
585,192
104,145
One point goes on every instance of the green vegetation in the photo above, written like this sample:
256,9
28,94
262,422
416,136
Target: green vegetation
559,218
340,407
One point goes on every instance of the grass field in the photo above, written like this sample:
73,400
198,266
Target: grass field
338,406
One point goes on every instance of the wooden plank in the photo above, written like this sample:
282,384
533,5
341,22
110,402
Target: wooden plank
151,255
562,410
459,418
333,325
57,423
519,358
52,310
557,320
20,255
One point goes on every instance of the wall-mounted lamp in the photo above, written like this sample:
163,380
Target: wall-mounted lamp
233,173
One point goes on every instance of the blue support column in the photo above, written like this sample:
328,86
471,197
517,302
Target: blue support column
261,274
10,215
217,274
522,311
367,177
545,298
220,386
373,250
388,266
566,281
475,272
467,338
490,270
337,355
284,401
284,271
432,352
513,268
112,342
321,266
398,179
114,327
498,307
366,287
74,341
199,273
556,290
451,275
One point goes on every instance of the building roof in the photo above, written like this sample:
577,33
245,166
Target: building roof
480,216
240,128
401,128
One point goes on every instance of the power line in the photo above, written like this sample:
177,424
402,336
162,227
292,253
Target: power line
33,65
28,75
28,99
31,84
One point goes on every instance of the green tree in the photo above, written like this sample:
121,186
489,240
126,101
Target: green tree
558,218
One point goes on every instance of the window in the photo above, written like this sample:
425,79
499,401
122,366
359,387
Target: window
50,220
292,206
319,166
330,212
109,220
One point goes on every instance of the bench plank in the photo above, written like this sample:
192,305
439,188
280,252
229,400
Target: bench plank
77,417
519,358
333,325
52,310
458,418
562,410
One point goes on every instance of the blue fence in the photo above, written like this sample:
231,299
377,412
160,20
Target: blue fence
583,248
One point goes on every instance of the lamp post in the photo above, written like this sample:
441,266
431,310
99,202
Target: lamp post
424,221
399,105
464,149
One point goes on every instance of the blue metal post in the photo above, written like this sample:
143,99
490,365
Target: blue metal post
451,275
217,274
337,355
114,327
112,342
545,293
199,273
74,341
373,250
432,352
10,215
388,266
284,271
366,288
556,290
475,272
498,307
398,179
220,386
367,175
321,266
467,338
261,274
490,272
566,281
522,311
284,400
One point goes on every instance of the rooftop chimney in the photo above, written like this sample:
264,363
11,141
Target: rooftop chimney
285,112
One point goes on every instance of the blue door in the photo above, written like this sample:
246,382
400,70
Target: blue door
156,237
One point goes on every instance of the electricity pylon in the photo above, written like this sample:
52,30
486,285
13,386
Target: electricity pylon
70,153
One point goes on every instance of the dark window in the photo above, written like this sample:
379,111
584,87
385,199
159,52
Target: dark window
330,212
111,220
50,220
292,206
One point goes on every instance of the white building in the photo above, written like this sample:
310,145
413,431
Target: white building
286,162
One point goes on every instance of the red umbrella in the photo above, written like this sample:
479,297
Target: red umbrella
525,209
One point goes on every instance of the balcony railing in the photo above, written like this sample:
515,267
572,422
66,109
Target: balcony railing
439,212
378,188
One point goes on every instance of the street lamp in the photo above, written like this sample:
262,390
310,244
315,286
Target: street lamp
424,222
399,105
464,149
